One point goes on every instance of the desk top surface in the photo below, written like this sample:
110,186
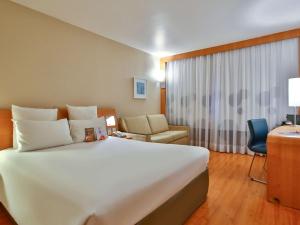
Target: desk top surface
285,133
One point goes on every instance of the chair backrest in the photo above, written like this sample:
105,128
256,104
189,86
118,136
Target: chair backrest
158,123
137,125
258,131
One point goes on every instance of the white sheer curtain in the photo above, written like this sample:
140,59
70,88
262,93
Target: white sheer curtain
216,94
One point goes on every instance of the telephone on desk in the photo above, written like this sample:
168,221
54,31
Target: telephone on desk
286,123
119,134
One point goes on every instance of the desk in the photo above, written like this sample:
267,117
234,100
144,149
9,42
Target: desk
283,165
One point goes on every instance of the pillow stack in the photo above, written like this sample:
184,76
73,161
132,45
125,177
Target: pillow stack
82,112
39,128
34,135
82,118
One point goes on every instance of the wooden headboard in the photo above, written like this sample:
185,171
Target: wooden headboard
6,125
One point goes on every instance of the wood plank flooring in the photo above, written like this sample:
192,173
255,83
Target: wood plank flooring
232,198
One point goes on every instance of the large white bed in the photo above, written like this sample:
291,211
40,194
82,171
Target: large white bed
112,182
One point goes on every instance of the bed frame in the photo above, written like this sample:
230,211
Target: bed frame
174,211
182,205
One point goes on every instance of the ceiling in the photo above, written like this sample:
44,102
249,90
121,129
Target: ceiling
167,27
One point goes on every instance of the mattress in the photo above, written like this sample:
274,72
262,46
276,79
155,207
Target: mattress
116,181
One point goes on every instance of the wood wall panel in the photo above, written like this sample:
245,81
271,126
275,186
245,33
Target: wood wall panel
235,45
6,129
163,99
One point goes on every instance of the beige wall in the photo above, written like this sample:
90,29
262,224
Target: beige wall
46,62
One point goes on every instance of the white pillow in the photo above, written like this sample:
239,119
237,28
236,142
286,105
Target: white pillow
77,127
82,112
23,113
34,135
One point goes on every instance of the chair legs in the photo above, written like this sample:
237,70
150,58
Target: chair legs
265,163
249,173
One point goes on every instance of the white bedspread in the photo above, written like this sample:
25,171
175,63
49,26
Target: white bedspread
114,182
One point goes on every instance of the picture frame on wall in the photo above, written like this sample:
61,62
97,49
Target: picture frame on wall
140,88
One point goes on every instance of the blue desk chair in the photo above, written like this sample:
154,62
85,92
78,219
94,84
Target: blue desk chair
257,143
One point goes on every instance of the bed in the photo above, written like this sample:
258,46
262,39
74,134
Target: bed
113,182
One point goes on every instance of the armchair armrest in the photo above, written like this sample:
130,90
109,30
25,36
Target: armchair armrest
138,137
177,127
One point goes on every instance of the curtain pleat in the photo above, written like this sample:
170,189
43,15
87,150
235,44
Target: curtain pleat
216,94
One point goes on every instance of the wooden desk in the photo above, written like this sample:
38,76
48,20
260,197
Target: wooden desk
283,165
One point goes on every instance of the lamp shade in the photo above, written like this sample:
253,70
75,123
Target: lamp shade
110,121
294,92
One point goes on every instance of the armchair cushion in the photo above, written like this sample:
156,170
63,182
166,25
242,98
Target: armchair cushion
137,125
169,136
179,127
158,123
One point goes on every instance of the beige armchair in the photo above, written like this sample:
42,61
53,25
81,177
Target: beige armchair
154,128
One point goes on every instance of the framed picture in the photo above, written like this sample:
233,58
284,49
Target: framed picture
140,88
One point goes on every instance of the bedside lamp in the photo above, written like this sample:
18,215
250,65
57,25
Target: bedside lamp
110,121
294,95
111,124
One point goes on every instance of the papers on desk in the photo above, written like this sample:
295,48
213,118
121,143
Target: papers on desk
290,133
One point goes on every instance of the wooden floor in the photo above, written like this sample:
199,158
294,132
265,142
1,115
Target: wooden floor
232,198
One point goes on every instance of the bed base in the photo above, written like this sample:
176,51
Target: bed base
176,210
182,205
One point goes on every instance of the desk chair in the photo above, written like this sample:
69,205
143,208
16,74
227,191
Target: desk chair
257,143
